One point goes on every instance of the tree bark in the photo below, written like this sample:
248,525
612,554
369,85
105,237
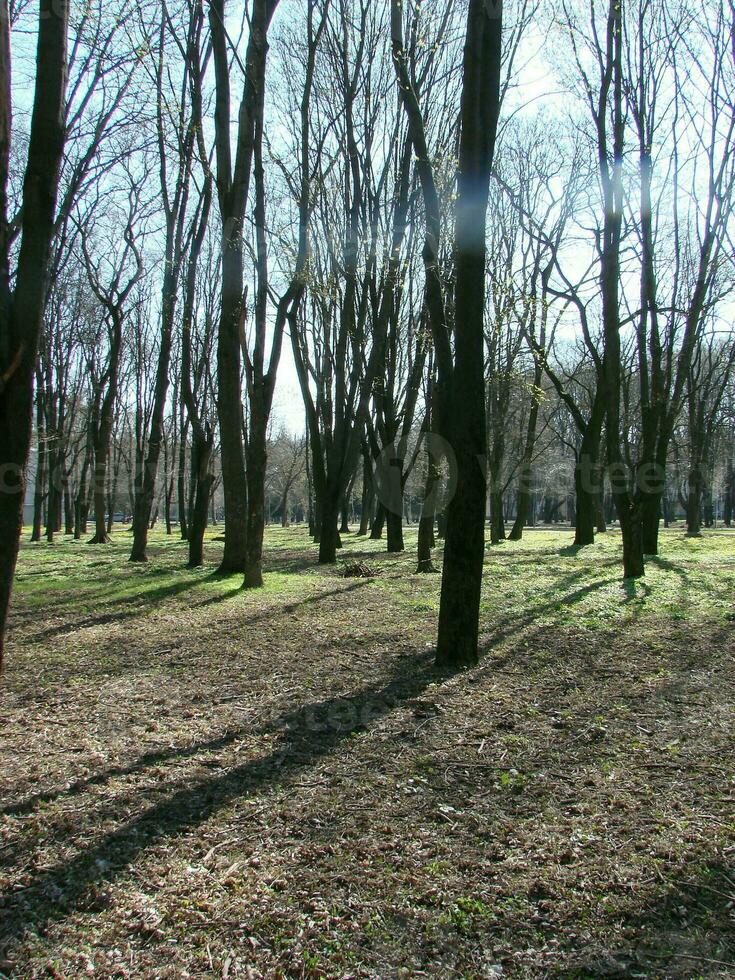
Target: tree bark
464,413
21,311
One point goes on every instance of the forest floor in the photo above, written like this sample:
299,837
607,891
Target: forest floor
197,781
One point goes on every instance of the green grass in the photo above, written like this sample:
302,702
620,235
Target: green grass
539,579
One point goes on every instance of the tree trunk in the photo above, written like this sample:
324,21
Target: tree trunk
523,505
694,503
21,312
256,467
587,495
729,501
181,483
650,504
201,455
344,527
229,407
585,506
329,540
368,497
53,504
376,530
497,518
100,474
464,548
428,506
40,483
394,536
632,531
68,506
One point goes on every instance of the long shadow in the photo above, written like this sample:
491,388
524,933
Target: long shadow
142,762
518,623
308,734
144,598
288,608
320,597
669,566
161,755
688,924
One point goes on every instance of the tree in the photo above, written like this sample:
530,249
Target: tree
233,184
677,288
340,351
112,280
261,378
22,302
461,388
464,409
182,127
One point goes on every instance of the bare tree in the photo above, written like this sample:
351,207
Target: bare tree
112,280
22,301
233,184
461,388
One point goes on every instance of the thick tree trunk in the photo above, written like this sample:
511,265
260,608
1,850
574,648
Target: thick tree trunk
441,525
329,540
233,185
600,511
587,495
344,527
650,504
632,531
21,312
729,501
425,544
394,535
464,547
694,503
585,507
229,406
523,506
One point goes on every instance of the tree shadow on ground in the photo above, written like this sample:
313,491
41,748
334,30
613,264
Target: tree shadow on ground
688,924
514,624
635,590
132,607
306,735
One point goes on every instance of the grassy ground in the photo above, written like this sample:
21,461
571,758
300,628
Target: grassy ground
197,781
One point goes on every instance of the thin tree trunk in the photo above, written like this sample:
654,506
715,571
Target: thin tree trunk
376,530
40,483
